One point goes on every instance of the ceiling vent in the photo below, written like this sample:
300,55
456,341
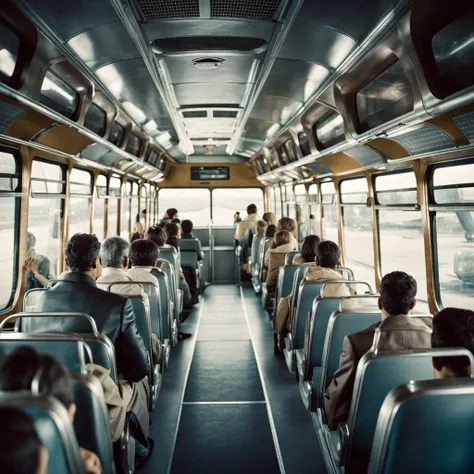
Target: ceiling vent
151,10
248,9
195,114
207,63
225,113
184,44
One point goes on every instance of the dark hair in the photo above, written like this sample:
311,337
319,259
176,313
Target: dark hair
176,221
397,292
251,209
172,230
81,252
187,226
311,216
309,248
171,212
143,252
20,368
237,212
156,234
453,327
19,442
328,254
271,231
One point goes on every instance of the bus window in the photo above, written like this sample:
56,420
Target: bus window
278,208
226,201
112,210
289,208
9,212
400,229
453,233
9,49
193,204
328,193
81,197
48,186
99,211
271,200
135,204
357,229
301,211
125,221
314,214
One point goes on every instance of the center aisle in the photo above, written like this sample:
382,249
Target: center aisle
225,423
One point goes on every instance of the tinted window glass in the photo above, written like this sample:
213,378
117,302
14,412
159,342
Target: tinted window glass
304,144
454,184
81,182
387,97
453,49
283,155
274,160
8,172
153,158
96,119
226,201
9,48
329,130
58,95
328,193
260,166
354,191
133,144
47,178
163,163
116,134
396,188
290,151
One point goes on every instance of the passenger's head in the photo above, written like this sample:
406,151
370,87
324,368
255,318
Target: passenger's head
271,231
25,367
187,226
327,254
176,221
21,451
157,234
144,253
311,216
261,227
309,249
172,230
114,253
251,209
453,327
171,213
287,223
30,240
82,255
397,293
282,237
269,218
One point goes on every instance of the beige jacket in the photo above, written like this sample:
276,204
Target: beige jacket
243,226
274,259
115,275
398,333
298,260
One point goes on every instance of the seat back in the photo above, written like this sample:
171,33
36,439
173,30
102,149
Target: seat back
264,246
342,322
286,276
166,306
54,429
189,259
172,256
307,293
71,350
426,428
91,422
169,270
31,298
377,374
290,256
297,279
254,254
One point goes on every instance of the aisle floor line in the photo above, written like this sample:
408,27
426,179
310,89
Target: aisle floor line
265,393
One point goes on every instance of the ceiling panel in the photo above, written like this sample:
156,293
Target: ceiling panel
317,44
294,79
104,45
201,94
259,129
274,109
235,70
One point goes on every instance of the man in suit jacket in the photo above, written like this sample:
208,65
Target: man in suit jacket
77,292
399,331
187,234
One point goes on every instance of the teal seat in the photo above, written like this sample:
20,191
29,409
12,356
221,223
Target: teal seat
426,428
290,256
173,257
91,422
378,374
54,429
264,246
169,270
255,261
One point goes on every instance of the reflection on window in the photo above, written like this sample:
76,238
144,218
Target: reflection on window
225,202
396,188
192,204
328,193
96,119
274,160
125,227
290,151
329,130
314,215
304,144
453,49
116,134
133,144
387,97
58,95
9,48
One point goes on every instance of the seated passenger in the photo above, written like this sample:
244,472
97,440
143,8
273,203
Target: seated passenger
237,218
170,214
397,299
144,256
38,267
173,232
271,231
275,258
270,218
261,228
77,292
18,372
21,451
327,255
176,221
138,231
187,228
249,223
309,250
453,327
314,227
289,224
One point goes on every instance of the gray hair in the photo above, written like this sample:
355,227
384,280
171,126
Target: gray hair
112,252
